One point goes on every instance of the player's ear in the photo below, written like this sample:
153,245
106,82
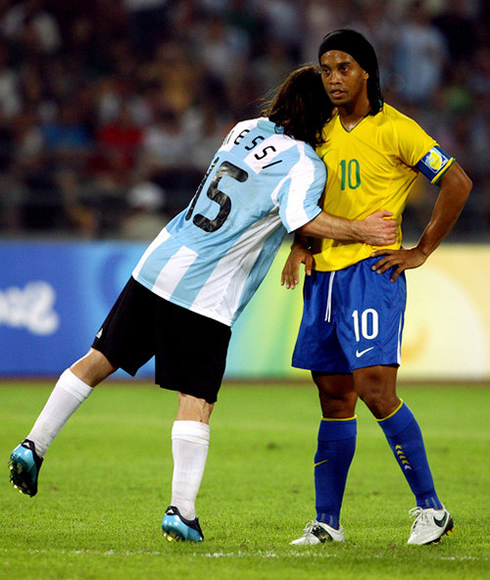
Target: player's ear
366,75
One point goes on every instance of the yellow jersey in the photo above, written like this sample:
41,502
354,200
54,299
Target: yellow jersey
372,167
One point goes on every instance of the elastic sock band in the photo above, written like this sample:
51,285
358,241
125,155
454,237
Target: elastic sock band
397,422
337,430
392,413
331,419
70,383
192,431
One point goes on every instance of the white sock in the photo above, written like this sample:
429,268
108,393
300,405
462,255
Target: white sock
190,444
67,395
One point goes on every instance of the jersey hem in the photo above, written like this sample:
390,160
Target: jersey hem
187,306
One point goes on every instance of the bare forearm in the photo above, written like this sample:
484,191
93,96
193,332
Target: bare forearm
333,227
455,190
375,229
438,228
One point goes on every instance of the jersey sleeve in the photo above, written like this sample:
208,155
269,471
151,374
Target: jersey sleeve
419,150
299,192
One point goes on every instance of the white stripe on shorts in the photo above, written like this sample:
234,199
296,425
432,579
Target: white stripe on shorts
399,349
328,312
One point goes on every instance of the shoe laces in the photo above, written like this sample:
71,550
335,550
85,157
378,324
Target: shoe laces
309,526
421,516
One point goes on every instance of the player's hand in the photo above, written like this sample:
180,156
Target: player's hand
376,230
290,273
400,259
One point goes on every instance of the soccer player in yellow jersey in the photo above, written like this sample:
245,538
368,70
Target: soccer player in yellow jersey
355,294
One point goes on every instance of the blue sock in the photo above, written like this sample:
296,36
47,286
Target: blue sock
335,451
405,439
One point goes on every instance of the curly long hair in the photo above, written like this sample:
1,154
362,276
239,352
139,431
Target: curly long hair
301,106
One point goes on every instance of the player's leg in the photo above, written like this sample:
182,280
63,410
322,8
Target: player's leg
190,358
71,390
336,445
376,386
335,451
123,337
370,333
190,444
317,347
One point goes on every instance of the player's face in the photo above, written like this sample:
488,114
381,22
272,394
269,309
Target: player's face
344,80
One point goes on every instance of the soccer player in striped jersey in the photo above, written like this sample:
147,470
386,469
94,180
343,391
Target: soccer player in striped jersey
354,299
197,276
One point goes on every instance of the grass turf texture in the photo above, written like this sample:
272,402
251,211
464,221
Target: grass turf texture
105,484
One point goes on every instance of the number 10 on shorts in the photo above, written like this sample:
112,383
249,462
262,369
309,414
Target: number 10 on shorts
366,324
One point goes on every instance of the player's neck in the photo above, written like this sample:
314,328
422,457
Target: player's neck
352,114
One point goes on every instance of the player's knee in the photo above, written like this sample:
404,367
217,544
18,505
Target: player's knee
339,406
375,401
93,368
376,392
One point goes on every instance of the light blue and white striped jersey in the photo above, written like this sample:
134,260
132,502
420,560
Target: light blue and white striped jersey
212,257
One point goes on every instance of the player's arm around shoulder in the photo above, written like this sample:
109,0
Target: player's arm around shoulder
455,189
378,229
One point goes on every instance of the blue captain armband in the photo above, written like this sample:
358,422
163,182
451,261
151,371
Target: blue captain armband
434,164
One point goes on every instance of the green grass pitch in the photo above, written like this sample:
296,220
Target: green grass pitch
105,484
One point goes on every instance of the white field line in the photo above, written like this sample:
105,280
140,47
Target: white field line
216,555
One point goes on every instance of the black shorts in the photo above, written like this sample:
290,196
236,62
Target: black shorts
190,349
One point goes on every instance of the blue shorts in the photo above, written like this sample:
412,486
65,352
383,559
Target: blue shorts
352,318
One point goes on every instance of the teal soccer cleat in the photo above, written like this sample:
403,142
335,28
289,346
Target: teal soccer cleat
176,527
24,466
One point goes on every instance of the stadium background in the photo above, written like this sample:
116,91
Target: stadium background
111,110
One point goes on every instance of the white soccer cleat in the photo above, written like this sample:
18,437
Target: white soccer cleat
318,533
429,525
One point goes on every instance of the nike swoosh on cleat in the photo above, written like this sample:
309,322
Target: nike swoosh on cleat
360,353
442,522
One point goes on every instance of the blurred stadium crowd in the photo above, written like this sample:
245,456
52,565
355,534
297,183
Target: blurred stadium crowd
110,110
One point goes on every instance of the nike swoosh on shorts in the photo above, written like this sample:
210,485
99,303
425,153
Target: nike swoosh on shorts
360,353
